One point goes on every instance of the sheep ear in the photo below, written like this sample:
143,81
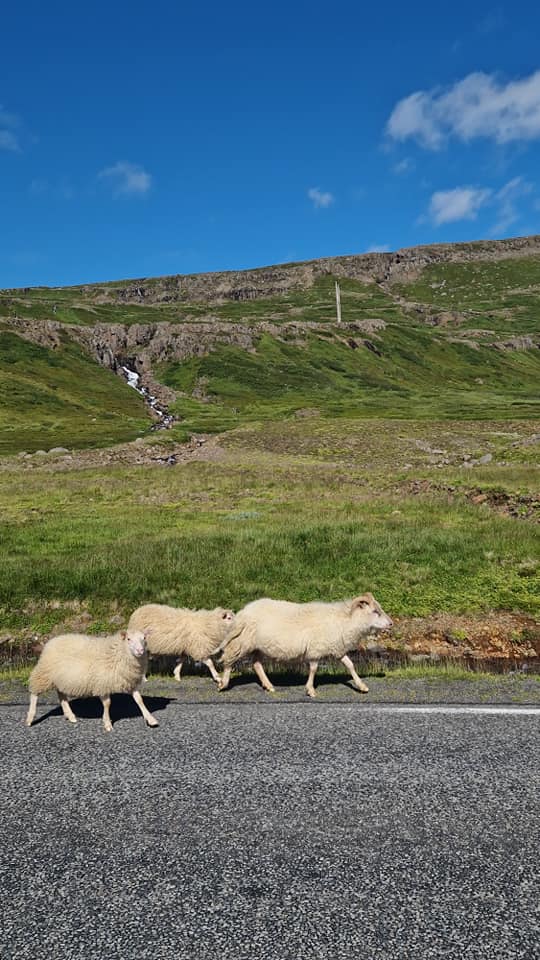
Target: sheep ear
365,600
123,634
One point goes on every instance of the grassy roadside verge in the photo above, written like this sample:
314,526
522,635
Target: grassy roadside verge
450,672
317,509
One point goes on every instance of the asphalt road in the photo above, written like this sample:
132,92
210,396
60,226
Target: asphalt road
270,830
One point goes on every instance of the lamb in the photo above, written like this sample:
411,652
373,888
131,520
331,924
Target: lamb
76,665
178,631
287,631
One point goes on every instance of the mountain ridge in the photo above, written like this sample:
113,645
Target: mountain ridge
441,330
379,267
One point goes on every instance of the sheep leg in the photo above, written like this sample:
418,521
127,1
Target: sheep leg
357,682
31,710
178,669
210,664
265,682
151,721
223,683
106,701
66,709
310,689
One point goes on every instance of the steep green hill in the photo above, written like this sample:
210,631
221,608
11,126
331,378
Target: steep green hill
398,372
61,398
437,332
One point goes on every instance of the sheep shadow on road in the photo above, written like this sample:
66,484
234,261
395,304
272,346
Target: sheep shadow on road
293,678
123,707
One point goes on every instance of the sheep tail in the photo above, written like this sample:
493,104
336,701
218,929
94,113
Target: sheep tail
38,681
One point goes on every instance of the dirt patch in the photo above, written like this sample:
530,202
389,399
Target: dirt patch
137,453
497,636
520,506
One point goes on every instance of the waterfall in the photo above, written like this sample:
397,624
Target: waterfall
166,419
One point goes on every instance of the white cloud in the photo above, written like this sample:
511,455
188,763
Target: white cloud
464,203
128,177
461,203
477,106
8,137
507,198
378,248
8,141
319,198
404,166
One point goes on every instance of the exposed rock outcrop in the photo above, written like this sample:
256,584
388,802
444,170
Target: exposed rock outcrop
140,346
517,343
267,282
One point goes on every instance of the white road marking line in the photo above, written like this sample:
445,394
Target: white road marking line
458,708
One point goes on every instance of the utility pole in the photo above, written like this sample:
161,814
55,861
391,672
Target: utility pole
338,302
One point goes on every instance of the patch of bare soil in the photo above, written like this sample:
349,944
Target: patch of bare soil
521,506
135,453
493,636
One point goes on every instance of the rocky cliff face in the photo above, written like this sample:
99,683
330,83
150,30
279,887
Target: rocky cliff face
268,282
141,346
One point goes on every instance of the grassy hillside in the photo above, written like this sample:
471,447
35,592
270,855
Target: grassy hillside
61,398
436,354
400,372
315,303
399,455
504,295
227,531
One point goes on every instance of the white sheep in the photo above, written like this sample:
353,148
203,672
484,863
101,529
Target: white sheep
180,632
76,665
287,631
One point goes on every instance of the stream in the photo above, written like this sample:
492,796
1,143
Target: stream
166,419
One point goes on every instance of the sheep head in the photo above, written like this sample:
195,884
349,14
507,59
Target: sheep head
225,616
366,609
136,641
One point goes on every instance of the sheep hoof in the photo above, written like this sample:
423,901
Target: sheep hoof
363,688
107,727
311,693
152,722
74,720
28,723
270,689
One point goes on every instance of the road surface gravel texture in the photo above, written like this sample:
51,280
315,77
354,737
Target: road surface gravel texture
270,830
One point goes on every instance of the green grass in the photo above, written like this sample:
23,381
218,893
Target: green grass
348,379
14,674
322,505
502,296
448,672
316,304
440,671
225,533
409,369
62,398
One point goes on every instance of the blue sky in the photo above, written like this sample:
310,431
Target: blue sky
144,139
